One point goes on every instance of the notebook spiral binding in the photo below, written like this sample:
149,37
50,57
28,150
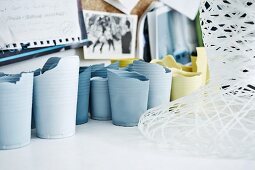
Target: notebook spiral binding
42,43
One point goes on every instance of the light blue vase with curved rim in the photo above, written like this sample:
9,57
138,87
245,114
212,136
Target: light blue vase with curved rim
83,95
55,98
100,107
160,82
99,70
128,96
16,110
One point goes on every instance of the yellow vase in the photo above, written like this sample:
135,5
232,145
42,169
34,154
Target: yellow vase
202,62
124,61
187,79
185,83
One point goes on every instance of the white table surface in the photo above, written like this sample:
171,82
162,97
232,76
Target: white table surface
102,146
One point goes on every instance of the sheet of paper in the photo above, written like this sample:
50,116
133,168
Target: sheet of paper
125,6
141,25
129,3
152,33
38,23
164,43
186,7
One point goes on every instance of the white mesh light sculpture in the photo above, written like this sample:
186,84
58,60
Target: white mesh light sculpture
219,119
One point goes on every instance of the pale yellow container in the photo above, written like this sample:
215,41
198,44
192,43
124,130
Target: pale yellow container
185,83
187,79
124,61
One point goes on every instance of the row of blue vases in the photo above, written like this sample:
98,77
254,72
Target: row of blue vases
50,93
127,93
117,94
16,93
93,93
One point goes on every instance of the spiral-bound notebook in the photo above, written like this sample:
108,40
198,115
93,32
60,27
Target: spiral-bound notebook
39,23
30,29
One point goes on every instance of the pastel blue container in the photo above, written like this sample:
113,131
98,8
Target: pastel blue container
128,96
96,67
160,82
99,70
15,110
100,107
127,68
55,98
83,95
33,126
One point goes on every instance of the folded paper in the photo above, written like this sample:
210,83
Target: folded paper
128,96
164,31
125,6
186,7
142,38
16,110
160,32
190,34
55,98
181,50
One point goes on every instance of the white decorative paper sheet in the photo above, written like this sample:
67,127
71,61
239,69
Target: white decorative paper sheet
186,7
218,120
38,23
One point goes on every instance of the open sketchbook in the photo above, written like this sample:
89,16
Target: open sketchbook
38,23
31,49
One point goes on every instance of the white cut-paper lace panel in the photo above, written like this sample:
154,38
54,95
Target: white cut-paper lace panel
219,119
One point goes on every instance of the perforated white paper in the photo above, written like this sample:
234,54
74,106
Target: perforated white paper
38,23
218,120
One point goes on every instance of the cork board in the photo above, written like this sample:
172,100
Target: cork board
101,5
